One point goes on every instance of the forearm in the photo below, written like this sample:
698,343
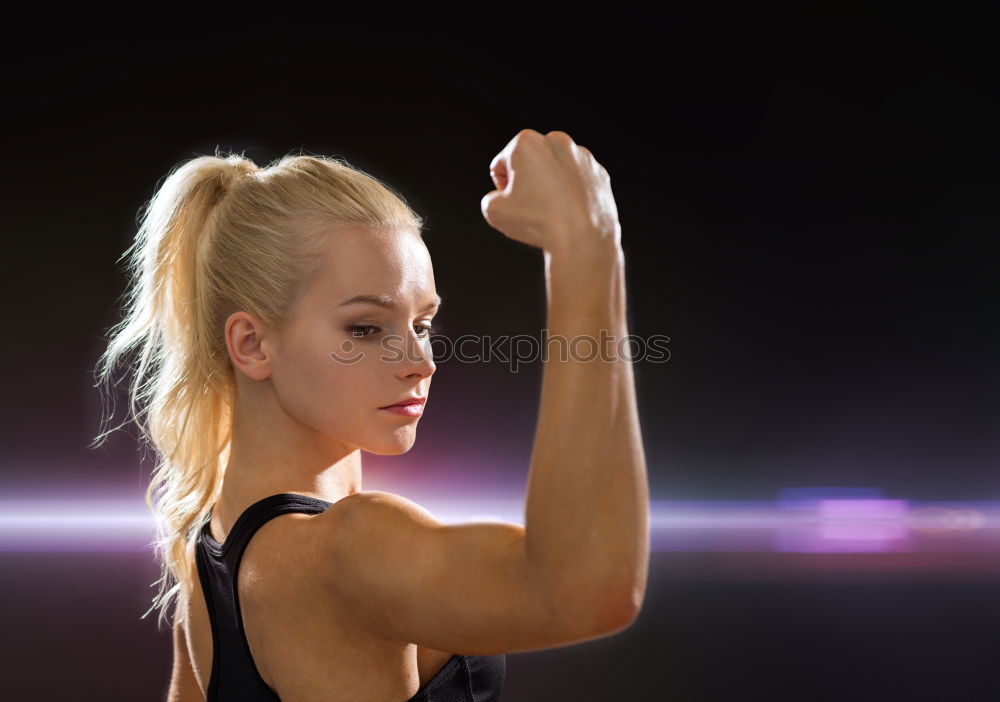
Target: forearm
587,502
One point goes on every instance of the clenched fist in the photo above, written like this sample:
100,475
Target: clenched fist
551,193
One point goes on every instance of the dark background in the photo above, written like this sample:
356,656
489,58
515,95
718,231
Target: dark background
808,212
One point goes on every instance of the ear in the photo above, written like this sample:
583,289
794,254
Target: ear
244,334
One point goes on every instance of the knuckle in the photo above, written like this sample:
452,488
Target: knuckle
528,135
560,137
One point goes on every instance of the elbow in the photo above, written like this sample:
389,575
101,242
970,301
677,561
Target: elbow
613,617
629,607
587,616
617,612
601,610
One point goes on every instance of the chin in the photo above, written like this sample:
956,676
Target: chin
392,447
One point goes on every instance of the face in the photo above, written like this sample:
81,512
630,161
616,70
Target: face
338,362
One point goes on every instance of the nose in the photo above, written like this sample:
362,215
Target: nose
418,359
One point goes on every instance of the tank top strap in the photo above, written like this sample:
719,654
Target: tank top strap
233,669
254,517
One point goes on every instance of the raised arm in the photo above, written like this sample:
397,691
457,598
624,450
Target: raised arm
587,512
586,519
577,569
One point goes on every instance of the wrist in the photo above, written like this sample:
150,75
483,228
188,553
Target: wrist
583,274
586,256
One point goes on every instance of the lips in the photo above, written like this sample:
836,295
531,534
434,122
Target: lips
408,401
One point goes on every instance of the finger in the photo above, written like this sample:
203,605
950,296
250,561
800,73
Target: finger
491,205
563,146
499,173
504,165
508,154
589,159
501,167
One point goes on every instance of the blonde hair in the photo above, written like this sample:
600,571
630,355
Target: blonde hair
219,235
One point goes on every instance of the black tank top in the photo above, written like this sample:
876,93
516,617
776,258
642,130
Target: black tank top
234,676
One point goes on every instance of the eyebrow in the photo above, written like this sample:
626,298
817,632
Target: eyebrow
383,300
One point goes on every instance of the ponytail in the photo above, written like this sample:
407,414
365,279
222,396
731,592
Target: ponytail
219,235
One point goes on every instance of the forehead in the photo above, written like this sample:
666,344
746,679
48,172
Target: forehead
357,260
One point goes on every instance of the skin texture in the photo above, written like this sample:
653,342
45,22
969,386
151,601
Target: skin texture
300,421
552,194
383,577
301,417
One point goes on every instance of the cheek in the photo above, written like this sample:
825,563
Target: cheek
327,392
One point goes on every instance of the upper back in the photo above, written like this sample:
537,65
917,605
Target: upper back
262,626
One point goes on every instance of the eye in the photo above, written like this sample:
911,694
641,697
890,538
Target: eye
427,330
358,330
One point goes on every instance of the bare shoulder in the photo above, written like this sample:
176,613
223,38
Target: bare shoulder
363,514
399,527
378,503
371,514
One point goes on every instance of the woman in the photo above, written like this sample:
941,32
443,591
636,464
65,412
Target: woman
280,312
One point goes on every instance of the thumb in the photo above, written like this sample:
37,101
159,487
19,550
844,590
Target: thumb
490,206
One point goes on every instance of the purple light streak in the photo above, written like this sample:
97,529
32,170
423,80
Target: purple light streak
802,522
